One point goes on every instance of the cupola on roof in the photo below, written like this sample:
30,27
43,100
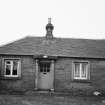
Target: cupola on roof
49,29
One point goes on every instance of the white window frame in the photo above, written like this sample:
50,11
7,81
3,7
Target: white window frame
11,63
80,71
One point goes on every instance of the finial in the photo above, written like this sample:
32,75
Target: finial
49,20
49,29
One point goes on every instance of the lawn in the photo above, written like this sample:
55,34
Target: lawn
50,100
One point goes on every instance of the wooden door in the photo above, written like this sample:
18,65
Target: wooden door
45,78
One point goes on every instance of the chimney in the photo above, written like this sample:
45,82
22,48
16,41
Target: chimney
49,29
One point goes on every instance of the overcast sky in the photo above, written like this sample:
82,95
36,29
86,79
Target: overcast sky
71,18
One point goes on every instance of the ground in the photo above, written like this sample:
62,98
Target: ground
50,100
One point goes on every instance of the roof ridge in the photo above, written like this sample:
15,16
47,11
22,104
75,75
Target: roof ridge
30,36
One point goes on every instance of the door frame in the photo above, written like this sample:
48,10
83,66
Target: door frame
37,71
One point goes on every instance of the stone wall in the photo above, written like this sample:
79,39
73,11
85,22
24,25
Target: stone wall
27,79
63,81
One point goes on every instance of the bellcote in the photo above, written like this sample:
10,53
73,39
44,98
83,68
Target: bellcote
49,29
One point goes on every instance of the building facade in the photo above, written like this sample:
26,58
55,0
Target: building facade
53,64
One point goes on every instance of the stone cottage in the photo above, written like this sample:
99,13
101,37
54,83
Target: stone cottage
53,64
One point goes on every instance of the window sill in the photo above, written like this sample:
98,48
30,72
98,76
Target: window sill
81,80
9,78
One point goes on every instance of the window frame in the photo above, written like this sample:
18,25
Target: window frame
11,71
80,70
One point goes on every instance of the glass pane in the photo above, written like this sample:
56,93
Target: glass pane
15,66
84,70
41,67
8,69
77,70
48,67
44,67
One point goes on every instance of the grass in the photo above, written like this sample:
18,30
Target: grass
50,100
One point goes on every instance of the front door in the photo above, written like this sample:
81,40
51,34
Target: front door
45,78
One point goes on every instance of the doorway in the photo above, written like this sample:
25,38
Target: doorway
45,75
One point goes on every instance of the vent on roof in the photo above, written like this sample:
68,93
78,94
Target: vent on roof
49,29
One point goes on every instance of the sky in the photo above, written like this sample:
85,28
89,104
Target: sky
71,18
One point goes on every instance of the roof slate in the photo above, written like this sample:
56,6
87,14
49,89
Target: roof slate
66,47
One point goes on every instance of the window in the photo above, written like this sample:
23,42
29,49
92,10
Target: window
12,67
81,70
44,67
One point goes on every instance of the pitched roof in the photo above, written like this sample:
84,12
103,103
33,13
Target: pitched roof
66,47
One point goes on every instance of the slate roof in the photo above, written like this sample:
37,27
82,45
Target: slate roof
66,47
